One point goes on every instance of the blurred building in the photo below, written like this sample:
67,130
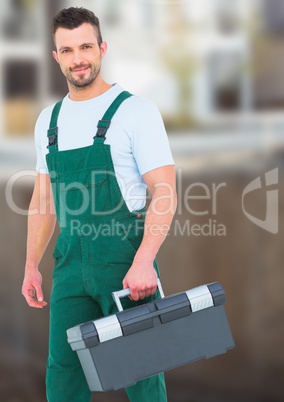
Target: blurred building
210,34
269,56
22,66
196,60
216,71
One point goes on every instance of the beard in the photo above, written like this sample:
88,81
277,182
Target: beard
86,79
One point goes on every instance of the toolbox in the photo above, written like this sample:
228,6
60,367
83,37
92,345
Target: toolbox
119,350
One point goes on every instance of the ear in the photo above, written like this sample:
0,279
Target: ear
103,49
54,55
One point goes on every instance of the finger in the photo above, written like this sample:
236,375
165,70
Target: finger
150,290
134,294
30,297
142,295
124,284
153,290
37,304
148,293
34,303
39,294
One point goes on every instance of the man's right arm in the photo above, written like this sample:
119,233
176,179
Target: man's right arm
41,224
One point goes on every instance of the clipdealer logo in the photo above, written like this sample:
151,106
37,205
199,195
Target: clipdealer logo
190,203
270,223
215,228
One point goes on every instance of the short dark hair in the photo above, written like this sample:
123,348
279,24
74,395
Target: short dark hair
73,17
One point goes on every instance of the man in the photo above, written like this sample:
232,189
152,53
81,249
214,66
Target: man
97,150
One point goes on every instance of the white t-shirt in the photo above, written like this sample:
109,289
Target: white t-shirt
137,138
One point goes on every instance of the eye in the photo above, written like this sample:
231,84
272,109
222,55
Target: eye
65,51
87,47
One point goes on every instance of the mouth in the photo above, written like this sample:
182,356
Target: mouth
80,70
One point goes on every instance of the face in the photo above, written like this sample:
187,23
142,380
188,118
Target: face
79,54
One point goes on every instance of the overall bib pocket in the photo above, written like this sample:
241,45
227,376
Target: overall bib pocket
84,193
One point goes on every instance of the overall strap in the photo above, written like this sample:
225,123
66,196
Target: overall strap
104,123
53,129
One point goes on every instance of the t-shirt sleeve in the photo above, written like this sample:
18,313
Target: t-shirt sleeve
40,137
150,142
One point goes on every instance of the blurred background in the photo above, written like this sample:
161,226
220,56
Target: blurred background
216,71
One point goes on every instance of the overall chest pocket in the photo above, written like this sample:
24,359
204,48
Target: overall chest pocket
77,180
84,191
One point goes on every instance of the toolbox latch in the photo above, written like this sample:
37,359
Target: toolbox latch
108,328
217,293
200,298
135,320
89,334
179,304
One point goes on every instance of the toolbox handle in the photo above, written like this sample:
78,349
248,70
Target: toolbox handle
126,292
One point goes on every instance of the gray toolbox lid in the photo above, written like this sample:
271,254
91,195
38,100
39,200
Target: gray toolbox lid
140,318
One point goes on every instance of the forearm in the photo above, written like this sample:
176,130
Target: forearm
40,230
41,222
157,224
141,277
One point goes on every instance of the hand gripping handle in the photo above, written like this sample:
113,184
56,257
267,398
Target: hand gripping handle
126,292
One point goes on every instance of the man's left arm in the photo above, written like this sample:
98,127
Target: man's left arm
141,278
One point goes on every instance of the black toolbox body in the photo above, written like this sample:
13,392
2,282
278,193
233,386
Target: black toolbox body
117,351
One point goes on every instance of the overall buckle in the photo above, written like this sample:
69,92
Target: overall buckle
103,126
52,136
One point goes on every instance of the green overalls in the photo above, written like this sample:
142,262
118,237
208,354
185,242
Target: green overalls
88,268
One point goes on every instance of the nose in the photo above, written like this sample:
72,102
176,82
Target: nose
77,58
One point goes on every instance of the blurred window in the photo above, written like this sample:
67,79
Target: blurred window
20,78
147,14
112,16
273,16
227,16
225,76
20,92
19,20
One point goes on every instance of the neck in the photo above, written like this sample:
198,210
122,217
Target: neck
98,87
